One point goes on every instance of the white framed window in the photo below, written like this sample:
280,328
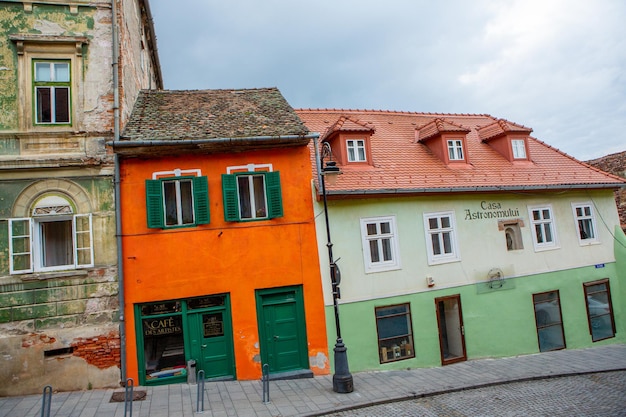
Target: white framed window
519,148
178,198
441,242
380,244
52,239
543,227
252,192
455,150
52,91
585,223
356,150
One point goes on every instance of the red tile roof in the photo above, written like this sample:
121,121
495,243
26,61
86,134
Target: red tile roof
402,164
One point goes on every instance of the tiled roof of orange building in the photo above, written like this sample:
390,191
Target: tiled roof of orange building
174,115
401,164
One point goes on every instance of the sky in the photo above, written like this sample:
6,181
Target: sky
556,66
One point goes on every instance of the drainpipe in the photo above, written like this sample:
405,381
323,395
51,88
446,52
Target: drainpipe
116,181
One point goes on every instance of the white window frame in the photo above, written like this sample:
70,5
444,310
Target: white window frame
518,146
543,223
35,249
253,196
429,234
591,218
356,147
455,150
377,239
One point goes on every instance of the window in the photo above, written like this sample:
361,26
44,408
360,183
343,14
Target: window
585,223
440,237
252,196
52,92
455,150
548,320
380,244
599,310
519,148
53,239
395,334
163,340
356,150
177,201
544,233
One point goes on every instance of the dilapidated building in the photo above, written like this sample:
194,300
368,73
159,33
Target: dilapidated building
70,72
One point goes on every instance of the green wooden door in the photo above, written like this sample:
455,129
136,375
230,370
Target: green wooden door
211,343
282,329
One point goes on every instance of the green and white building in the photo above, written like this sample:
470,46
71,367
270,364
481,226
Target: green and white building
462,237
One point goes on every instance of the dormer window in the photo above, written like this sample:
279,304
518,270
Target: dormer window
356,150
455,150
507,138
519,148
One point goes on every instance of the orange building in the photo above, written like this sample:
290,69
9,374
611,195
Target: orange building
220,261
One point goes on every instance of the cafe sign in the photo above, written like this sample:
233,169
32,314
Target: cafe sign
162,326
491,210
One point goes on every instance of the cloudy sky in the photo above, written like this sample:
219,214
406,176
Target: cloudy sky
556,66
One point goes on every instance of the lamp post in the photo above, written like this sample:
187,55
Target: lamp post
342,379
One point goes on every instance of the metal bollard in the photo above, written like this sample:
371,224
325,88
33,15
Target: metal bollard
128,397
46,399
200,399
266,383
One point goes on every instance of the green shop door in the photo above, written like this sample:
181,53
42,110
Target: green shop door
211,343
282,329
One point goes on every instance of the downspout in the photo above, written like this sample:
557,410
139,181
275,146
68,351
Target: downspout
116,181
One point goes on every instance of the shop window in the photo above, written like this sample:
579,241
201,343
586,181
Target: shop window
599,310
549,321
163,340
177,201
395,334
380,244
252,196
585,223
53,239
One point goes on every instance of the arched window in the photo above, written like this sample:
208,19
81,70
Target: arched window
53,238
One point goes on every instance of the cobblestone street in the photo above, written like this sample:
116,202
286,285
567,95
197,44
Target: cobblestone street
601,394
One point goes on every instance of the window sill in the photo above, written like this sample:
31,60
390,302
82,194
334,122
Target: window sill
42,276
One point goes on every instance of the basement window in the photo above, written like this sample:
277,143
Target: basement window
52,353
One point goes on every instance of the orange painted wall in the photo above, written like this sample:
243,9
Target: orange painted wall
223,257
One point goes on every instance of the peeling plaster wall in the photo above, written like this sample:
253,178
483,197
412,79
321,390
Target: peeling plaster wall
72,315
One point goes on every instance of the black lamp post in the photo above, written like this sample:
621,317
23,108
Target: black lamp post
342,379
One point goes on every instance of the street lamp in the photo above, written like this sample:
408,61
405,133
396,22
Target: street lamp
342,379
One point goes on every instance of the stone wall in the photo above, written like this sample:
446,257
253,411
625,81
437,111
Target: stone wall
46,325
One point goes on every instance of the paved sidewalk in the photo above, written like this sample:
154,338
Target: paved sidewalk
314,396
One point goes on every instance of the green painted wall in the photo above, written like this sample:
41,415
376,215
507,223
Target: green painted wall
498,323
43,19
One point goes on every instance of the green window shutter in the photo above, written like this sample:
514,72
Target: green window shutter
154,204
231,202
201,200
274,195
